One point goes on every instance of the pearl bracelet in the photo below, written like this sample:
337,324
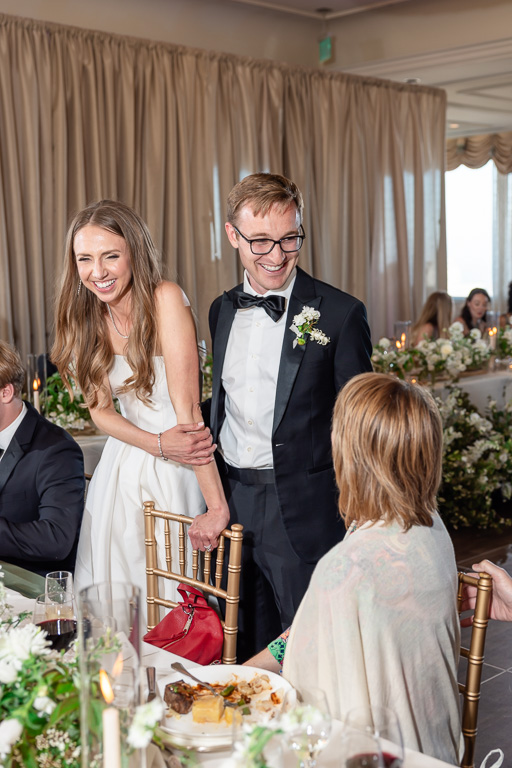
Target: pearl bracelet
160,447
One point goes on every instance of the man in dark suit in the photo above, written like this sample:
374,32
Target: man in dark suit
42,481
283,346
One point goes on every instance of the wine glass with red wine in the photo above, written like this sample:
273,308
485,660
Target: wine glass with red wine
381,724
55,613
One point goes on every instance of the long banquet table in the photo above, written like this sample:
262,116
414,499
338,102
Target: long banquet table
23,586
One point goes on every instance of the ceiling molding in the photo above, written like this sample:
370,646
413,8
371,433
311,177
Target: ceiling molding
315,14
497,49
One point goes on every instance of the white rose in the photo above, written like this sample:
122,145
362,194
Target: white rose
10,732
384,343
475,334
446,349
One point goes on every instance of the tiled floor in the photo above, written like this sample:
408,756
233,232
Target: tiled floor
495,711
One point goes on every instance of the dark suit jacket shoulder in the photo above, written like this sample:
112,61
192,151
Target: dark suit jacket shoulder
42,488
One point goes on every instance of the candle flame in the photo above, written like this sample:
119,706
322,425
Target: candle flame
106,688
36,384
402,339
398,345
118,666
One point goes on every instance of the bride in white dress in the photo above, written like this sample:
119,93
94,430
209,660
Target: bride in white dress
121,329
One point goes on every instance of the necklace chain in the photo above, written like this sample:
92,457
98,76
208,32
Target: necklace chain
114,324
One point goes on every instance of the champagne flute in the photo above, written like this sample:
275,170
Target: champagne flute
55,613
306,724
383,723
59,581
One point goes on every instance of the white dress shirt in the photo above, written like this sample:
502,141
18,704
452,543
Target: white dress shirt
249,378
7,434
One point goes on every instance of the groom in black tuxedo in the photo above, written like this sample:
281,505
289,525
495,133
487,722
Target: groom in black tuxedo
42,480
274,387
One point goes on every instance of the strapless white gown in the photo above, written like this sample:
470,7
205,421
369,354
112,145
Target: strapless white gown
111,546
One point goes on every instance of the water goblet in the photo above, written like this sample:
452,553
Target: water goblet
306,724
59,581
55,613
383,723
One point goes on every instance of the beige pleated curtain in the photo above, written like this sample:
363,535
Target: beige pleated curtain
169,130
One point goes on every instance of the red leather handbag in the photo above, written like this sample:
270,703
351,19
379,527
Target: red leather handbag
191,630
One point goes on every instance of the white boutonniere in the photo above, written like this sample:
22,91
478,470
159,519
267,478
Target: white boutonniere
304,325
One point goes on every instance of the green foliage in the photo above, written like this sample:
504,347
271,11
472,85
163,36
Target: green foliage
477,462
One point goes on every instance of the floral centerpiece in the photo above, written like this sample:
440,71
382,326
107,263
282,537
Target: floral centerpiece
477,461
504,342
430,359
68,412
40,701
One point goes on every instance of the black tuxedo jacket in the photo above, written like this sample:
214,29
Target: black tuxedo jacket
309,379
42,490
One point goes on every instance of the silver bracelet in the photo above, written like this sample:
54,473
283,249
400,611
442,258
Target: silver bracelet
160,447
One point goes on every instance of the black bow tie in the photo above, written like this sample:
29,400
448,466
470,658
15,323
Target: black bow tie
273,305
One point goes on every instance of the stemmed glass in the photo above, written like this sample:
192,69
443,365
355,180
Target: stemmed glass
360,749
381,724
306,724
55,613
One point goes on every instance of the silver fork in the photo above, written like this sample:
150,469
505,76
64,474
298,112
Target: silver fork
178,667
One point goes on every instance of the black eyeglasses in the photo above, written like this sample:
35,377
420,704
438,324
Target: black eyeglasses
262,246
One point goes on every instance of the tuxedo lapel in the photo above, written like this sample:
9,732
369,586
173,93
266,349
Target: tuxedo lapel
291,357
222,330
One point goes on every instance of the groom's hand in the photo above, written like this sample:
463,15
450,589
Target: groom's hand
188,444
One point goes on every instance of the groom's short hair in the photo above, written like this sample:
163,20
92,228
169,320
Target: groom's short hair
263,191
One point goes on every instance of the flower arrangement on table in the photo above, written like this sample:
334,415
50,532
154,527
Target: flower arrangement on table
504,342
431,359
62,409
477,461
40,700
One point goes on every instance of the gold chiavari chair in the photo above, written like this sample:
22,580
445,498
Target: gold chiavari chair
475,658
176,571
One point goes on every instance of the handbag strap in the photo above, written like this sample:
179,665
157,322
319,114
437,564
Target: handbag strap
185,629
191,595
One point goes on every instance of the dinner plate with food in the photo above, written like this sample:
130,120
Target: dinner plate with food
195,718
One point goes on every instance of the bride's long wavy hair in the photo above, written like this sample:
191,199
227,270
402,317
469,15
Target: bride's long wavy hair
82,349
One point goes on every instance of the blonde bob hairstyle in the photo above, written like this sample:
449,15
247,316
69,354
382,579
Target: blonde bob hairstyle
387,449
261,192
82,349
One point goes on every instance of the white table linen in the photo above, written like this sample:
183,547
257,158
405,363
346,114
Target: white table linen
496,385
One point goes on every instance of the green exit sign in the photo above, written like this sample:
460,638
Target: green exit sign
325,50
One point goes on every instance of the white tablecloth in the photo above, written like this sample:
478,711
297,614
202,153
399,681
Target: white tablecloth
92,447
497,386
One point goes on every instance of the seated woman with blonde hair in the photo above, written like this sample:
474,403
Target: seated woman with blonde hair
434,319
378,625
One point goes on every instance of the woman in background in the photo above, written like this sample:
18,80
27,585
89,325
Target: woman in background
378,625
435,318
121,330
474,311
